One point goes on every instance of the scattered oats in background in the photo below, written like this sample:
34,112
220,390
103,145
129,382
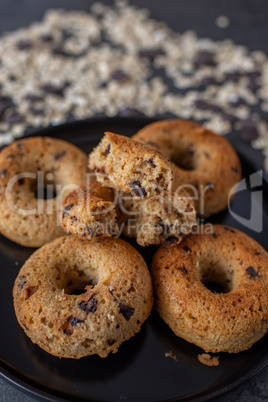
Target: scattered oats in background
222,21
75,65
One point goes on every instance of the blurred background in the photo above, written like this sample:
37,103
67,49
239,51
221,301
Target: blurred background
194,59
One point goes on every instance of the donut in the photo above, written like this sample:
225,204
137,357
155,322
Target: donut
162,219
204,163
230,321
90,212
124,164
55,313
94,211
26,165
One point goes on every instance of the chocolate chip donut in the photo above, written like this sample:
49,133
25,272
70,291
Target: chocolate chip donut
90,212
117,296
93,211
129,166
162,219
26,168
204,163
231,321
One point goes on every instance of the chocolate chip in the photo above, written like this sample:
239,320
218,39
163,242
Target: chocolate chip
237,101
254,74
128,112
183,270
203,105
253,274
204,58
110,342
74,219
160,226
186,249
59,155
89,306
21,282
135,184
151,161
137,191
235,169
214,235
3,173
170,240
36,111
151,53
131,289
126,311
24,45
228,229
88,232
100,170
107,150
46,38
52,89
253,85
119,75
249,130
112,293
154,144
5,103
13,118
229,117
66,210
59,51
215,108
75,321
30,291
67,34
206,81
33,98
233,76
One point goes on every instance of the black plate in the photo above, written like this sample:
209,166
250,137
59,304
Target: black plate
139,371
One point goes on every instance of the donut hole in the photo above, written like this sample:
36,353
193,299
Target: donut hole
184,158
45,191
77,281
217,278
42,187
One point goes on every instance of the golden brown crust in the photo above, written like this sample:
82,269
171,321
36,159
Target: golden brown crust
61,164
200,158
217,322
90,212
127,165
117,300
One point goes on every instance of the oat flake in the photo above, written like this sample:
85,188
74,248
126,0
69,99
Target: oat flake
75,64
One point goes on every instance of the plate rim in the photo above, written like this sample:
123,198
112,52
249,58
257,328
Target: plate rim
30,387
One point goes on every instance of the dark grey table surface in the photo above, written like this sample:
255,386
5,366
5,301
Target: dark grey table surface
248,26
